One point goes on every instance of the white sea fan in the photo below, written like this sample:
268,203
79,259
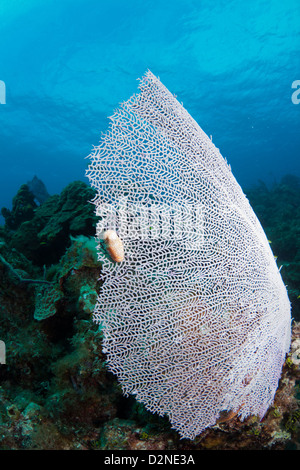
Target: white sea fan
196,319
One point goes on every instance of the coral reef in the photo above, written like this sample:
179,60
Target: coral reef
55,389
278,209
48,226
23,207
38,189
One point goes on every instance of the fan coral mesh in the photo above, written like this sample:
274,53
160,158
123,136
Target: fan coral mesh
196,319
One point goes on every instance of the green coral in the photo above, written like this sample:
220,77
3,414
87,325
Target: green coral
276,412
52,223
23,208
293,421
46,299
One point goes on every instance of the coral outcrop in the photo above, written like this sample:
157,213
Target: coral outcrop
49,226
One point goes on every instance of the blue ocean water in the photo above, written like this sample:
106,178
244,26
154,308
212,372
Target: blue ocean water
66,65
